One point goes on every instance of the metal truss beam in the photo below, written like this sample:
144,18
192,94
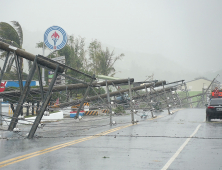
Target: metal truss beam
45,103
4,66
22,97
40,81
19,72
86,93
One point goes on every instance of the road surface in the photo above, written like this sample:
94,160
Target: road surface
183,140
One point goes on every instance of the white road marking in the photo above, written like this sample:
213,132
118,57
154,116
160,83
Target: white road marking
180,149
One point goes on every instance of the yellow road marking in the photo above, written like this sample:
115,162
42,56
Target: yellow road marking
165,115
155,118
40,152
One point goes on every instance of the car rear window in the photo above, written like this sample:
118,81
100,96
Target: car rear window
216,102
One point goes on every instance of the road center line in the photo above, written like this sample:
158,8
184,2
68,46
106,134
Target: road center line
40,152
180,149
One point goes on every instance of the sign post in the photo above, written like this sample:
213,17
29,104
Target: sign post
55,38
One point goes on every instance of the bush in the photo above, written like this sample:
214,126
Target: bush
119,109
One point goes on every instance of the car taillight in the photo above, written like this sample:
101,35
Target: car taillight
210,107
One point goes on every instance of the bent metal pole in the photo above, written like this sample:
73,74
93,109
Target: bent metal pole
111,94
65,87
21,53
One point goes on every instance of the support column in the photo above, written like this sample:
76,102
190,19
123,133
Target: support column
19,72
27,113
33,108
44,105
4,66
22,97
40,81
130,93
178,98
187,95
84,97
109,104
168,107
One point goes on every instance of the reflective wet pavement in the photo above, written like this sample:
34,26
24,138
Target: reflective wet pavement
149,144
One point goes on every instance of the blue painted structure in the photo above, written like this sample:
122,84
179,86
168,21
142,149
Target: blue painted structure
72,115
11,83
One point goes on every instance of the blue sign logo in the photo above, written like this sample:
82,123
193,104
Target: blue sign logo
55,38
51,72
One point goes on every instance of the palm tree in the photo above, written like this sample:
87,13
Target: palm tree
107,60
102,61
11,34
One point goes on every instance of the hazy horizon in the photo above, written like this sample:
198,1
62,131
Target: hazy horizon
187,33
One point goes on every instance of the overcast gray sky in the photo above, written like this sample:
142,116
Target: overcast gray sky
186,31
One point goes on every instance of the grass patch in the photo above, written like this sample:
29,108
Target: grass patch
193,93
29,116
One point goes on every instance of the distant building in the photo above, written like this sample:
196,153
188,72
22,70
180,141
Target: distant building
201,83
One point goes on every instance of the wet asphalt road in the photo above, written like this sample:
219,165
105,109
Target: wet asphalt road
157,143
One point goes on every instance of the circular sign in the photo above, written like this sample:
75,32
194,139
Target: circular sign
55,38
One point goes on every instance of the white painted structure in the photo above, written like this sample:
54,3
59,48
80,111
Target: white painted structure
30,120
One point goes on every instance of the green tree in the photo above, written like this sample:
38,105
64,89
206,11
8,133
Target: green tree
102,61
12,34
74,52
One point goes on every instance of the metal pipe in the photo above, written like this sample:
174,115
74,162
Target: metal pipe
111,94
130,93
44,62
22,97
109,104
40,81
19,73
45,103
86,93
64,87
4,66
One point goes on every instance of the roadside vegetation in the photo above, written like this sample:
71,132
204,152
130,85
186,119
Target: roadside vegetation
91,59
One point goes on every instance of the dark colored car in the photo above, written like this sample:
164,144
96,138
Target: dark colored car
214,109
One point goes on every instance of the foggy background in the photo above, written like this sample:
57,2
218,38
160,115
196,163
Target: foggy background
171,39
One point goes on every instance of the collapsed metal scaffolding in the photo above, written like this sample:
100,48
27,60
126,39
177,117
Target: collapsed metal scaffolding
151,96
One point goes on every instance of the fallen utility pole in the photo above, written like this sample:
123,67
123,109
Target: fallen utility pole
42,109
40,60
65,87
207,89
167,89
200,94
86,93
75,102
109,104
130,93
22,98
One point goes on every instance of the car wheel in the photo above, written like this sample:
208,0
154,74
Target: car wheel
207,118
